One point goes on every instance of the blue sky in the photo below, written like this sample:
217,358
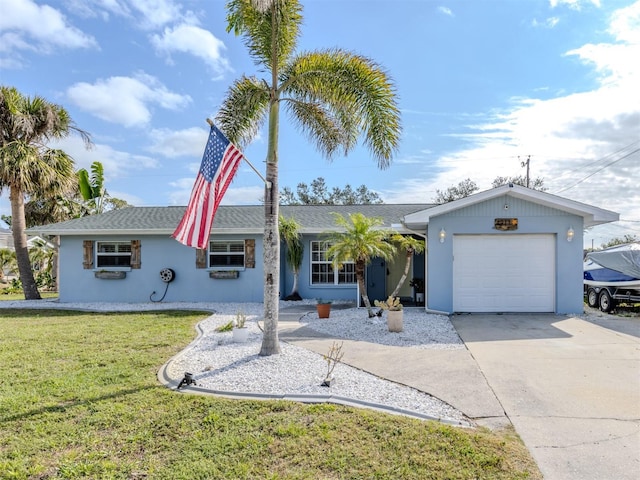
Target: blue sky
482,86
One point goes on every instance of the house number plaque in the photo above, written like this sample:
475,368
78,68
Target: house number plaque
505,224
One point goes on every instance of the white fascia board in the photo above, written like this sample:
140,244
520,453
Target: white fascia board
591,215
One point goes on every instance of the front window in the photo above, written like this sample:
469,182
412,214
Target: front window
113,254
323,271
226,254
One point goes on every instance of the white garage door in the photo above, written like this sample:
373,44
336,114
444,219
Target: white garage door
504,273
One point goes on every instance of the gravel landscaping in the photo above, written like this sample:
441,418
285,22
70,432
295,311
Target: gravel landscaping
220,365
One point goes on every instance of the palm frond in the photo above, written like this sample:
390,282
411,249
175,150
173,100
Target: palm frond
244,110
357,91
270,28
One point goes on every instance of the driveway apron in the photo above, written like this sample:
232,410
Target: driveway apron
570,387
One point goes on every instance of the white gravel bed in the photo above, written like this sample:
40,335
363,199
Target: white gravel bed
420,329
217,363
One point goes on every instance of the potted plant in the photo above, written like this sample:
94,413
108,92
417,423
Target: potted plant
240,330
418,289
323,307
394,312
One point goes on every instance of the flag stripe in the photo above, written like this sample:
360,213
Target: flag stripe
220,162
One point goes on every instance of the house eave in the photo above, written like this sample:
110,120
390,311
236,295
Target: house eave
134,231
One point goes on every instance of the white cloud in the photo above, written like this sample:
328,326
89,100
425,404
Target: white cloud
569,137
445,11
116,163
182,143
550,22
26,25
125,100
573,4
194,41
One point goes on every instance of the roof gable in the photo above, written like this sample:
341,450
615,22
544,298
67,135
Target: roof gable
591,215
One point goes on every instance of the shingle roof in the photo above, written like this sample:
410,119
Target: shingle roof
228,219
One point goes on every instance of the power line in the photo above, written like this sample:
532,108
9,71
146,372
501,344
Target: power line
600,169
606,157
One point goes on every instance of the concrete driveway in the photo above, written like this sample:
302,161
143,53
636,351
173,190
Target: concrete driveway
570,387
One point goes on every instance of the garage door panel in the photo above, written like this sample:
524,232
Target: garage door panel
500,273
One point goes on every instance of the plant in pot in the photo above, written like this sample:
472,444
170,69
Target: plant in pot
240,330
323,307
394,313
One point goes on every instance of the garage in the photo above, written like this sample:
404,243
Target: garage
504,273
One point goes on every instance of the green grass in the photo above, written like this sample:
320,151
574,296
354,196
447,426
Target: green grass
20,296
79,399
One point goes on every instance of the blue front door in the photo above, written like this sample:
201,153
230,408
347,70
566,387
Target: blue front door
376,280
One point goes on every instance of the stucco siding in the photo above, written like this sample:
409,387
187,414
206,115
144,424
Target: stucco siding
190,285
532,219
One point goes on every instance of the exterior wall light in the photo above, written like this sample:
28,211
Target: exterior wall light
442,235
570,234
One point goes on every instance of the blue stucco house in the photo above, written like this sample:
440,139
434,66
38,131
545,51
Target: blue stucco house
509,249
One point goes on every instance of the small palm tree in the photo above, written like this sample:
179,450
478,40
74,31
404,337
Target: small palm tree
410,246
7,262
333,95
359,242
92,188
28,167
290,234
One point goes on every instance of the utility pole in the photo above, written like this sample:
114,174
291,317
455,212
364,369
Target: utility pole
522,164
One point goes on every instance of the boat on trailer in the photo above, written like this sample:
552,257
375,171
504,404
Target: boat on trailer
612,275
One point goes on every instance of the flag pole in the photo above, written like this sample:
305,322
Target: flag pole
267,183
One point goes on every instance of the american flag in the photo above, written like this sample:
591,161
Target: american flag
220,162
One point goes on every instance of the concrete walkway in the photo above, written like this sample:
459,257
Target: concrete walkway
453,376
570,387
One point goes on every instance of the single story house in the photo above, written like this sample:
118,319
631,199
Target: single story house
508,249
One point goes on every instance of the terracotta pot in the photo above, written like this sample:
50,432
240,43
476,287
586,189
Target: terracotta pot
394,320
324,309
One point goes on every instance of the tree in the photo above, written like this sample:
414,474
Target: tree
7,262
359,242
92,188
333,96
468,187
620,241
536,184
410,246
463,189
28,166
320,195
290,234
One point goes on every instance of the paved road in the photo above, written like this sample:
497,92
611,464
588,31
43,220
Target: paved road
570,387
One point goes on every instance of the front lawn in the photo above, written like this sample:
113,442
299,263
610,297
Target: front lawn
79,399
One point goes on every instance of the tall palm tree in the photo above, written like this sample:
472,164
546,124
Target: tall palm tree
333,96
359,241
28,167
290,234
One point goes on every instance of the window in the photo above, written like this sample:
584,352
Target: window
226,254
113,254
323,271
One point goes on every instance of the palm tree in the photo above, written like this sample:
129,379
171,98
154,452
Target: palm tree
28,167
290,234
7,262
359,242
410,246
334,96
